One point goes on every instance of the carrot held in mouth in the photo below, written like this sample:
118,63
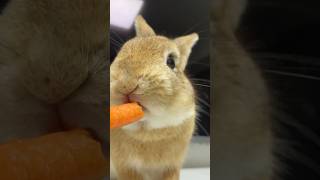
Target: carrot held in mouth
124,114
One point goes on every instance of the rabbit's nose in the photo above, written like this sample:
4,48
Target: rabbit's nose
127,90
126,86
128,95
132,91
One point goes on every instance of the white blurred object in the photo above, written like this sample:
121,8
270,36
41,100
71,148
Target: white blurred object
113,173
123,12
198,155
195,173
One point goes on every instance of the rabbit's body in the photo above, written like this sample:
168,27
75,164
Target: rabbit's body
53,56
153,148
151,154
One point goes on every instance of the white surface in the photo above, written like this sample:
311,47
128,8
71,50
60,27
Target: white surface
195,174
199,153
192,174
124,12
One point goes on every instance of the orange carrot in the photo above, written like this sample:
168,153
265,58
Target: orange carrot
63,156
124,114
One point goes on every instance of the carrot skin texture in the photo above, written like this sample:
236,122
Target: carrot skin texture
124,114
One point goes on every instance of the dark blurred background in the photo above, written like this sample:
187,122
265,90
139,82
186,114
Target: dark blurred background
283,37
174,18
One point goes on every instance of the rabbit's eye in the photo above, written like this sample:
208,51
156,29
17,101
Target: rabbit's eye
170,61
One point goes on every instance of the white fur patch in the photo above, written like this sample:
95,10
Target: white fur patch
168,120
132,127
148,173
135,163
162,120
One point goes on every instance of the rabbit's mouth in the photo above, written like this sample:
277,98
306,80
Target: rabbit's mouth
140,104
132,98
143,107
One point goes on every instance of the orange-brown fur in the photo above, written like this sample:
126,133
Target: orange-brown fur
154,147
162,149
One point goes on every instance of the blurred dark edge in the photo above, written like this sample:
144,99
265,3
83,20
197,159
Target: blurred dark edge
283,37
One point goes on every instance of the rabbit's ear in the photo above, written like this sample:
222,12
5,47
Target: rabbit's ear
142,27
228,13
185,45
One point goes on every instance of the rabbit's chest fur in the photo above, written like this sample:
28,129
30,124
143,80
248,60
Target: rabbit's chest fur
151,152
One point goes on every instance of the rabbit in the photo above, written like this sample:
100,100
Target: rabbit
54,68
242,116
149,70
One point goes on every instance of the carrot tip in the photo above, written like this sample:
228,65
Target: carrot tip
121,115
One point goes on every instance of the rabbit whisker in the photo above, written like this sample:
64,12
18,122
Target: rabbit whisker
298,75
202,85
